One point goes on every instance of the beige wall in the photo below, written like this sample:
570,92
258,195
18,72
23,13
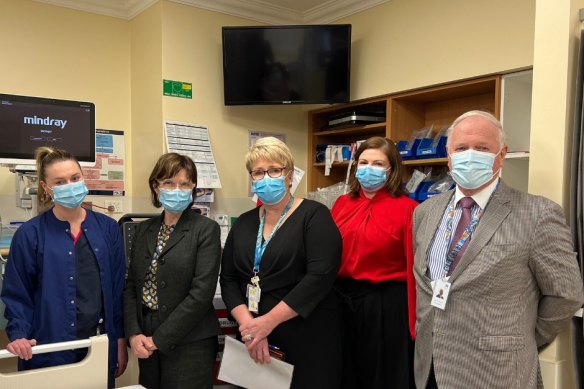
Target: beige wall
557,35
119,65
146,93
192,52
405,44
187,47
555,65
57,52
400,45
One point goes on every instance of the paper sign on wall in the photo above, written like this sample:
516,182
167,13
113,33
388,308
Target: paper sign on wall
193,141
107,176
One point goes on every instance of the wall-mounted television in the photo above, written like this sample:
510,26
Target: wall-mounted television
287,64
29,122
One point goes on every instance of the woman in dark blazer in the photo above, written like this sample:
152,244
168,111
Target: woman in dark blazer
168,301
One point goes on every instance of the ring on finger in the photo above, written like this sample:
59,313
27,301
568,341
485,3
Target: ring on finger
248,338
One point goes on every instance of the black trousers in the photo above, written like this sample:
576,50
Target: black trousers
432,379
186,366
377,347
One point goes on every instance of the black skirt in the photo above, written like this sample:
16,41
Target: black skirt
378,350
313,346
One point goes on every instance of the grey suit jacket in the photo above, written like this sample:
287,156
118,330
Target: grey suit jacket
513,291
187,279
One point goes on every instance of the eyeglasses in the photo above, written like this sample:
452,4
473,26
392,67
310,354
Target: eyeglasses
273,172
170,184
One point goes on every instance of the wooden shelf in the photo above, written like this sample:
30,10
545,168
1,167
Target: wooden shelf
426,162
353,130
335,164
413,162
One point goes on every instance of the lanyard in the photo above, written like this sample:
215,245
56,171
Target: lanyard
260,248
466,234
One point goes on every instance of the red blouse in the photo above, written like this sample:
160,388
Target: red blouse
377,241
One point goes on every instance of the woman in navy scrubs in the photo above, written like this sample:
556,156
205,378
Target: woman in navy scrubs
64,279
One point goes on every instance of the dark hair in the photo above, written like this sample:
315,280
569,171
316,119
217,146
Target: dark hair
168,166
46,156
394,183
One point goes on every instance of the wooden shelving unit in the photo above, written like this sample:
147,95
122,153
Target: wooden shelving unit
406,112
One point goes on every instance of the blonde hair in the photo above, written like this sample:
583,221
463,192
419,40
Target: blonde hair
46,156
270,149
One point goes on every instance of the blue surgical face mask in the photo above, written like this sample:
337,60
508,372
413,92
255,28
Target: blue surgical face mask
472,169
371,178
70,195
270,190
175,200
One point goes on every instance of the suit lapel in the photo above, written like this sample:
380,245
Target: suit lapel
152,234
496,212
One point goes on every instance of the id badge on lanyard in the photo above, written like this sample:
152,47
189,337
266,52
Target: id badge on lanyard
440,291
254,293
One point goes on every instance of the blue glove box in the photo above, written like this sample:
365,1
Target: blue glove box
406,153
430,149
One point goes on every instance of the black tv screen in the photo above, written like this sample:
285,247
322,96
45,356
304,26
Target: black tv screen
28,122
287,64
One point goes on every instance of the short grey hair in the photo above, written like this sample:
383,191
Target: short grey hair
485,115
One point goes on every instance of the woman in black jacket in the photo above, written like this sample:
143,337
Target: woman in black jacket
168,301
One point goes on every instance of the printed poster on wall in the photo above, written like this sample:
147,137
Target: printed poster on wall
106,178
193,141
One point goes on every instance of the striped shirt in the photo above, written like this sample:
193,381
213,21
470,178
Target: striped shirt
441,241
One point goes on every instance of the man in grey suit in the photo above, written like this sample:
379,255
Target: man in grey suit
505,262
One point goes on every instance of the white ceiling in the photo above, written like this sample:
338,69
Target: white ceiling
267,11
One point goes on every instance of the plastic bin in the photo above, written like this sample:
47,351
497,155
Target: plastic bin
7,231
328,195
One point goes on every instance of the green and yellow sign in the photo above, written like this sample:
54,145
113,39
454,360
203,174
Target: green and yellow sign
177,89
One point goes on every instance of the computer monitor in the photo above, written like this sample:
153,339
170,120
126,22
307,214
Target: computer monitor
29,122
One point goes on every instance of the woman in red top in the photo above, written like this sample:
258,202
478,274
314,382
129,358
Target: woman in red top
376,276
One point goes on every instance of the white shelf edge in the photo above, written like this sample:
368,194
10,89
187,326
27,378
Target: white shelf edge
517,155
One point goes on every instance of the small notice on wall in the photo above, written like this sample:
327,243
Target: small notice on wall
177,89
107,176
254,136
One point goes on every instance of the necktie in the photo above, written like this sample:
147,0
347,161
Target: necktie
467,204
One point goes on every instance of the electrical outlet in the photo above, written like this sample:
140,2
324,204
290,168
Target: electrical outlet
116,205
